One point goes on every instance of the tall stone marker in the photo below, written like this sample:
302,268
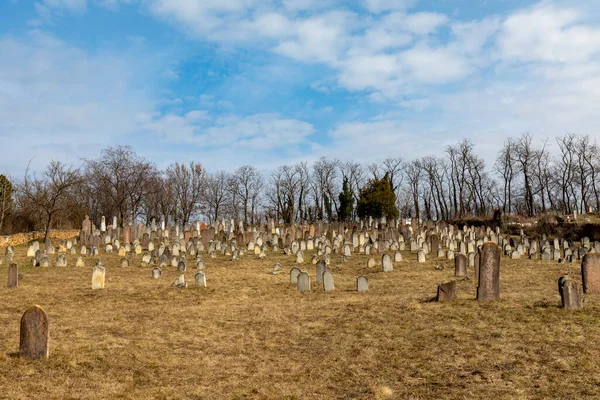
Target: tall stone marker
34,334
590,273
488,287
13,276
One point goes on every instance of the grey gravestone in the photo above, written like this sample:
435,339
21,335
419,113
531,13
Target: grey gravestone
200,279
303,282
460,265
294,272
321,267
571,293
362,284
386,263
328,281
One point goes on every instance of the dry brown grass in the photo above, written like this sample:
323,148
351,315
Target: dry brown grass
252,335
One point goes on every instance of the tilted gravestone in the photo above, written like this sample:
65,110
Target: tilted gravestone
446,291
33,343
488,287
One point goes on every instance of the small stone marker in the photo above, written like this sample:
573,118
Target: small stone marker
488,287
277,269
386,263
294,272
33,343
180,282
13,276
446,291
421,257
397,256
571,293
98,275
79,262
156,273
200,279
590,273
124,262
362,284
303,282
371,262
328,281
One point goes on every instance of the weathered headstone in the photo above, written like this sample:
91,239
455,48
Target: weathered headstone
200,279
156,273
13,276
386,263
446,291
320,267
34,334
571,293
460,265
488,287
303,282
362,284
328,281
590,273
294,272
98,275
277,269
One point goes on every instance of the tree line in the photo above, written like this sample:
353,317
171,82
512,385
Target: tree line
525,179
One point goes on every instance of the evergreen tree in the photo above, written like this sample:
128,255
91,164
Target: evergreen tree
346,202
377,200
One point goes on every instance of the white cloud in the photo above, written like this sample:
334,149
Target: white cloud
548,33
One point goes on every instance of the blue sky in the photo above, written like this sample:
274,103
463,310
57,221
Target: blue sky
232,82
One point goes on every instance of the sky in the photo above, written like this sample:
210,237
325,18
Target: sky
272,82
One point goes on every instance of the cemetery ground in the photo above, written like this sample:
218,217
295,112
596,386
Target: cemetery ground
250,334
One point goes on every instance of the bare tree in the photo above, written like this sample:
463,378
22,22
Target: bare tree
249,183
187,183
50,193
124,177
216,195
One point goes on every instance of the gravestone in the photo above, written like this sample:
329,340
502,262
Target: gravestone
371,262
421,256
303,282
571,293
13,276
156,273
294,272
328,281
321,267
98,275
397,256
124,262
200,279
277,269
79,262
362,284
33,344
488,287
180,282
460,265
590,273
386,263
446,291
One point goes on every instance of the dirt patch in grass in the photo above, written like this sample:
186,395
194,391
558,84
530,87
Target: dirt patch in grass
250,334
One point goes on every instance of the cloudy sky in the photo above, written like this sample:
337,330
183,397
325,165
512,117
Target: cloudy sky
268,82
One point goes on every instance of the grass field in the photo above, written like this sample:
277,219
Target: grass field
251,334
